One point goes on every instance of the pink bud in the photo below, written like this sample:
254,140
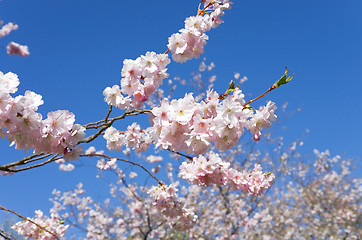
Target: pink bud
256,136
139,96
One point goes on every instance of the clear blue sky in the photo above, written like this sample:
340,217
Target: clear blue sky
77,48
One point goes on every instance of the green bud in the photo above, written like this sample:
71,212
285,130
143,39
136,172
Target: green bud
284,79
231,87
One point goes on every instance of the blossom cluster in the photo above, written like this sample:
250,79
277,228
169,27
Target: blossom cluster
169,204
7,28
128,219
140,79
326,187
324,161
133,137
103,165
13,48
74,200
184,124
190,42
17,49
213,170
25,128
63,166
53,225
227,214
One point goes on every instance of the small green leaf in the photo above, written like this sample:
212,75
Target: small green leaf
250,108
231,87
284,79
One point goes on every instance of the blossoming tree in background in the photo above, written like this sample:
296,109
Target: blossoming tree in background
223,194
318,198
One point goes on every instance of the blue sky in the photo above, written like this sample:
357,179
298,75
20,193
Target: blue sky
77,48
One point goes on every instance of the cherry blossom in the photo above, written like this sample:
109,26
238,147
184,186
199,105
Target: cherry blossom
190,42
26,129
212,170
7,28
17,49
54,226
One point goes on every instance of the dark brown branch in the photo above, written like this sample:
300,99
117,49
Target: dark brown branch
6,236
181,154
109,112
52,159
105,125
24,161
102,123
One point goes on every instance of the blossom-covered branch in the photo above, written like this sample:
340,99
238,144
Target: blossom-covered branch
38,228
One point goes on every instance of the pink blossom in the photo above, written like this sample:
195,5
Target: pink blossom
26,129
114,139
17,49
9,82
91,150
205,171
111,163
58,122
132,175
154,159
262,119
197,143
210,170
140,96
66,167
52,224
167,201
141,78
131,69
189,43
111,95
74,153
183,109
7,28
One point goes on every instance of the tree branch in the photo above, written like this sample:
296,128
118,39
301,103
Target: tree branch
123,160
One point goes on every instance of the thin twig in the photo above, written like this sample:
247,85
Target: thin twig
110,122
181,154
262,95
199,12
109,112
102,123
123,160
6,236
